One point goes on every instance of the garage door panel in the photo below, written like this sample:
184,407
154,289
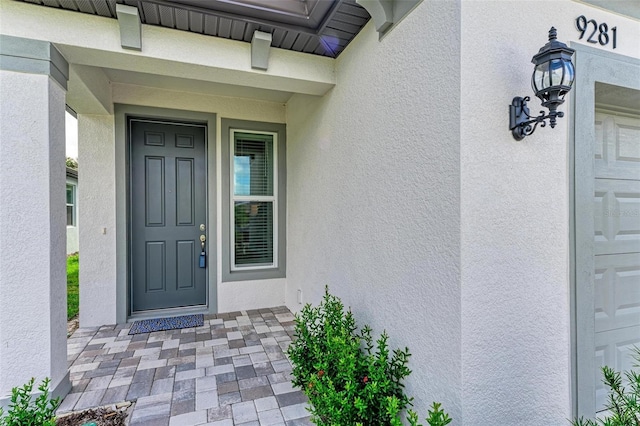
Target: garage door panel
616,216
603,355
616,255
606,184
614,348
617,150
617,291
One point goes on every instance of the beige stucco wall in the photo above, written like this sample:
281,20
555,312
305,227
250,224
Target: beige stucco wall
387,200
373,190
515,215
32,231
96,195
407,194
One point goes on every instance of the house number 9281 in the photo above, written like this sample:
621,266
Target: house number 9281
597,33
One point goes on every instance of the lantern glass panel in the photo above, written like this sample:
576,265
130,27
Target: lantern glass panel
540,79
556,69
568,74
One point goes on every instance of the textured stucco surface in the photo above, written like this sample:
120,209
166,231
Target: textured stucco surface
96,195
32,231
373,192
407,194
223,106
89,90
241,295
515,218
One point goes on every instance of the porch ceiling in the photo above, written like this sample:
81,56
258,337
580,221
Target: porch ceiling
319,27
194,86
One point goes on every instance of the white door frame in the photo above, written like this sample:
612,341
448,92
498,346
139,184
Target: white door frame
592,66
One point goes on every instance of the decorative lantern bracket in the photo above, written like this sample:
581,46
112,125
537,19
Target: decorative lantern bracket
522,124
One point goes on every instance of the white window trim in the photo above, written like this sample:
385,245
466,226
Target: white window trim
232,198
74,205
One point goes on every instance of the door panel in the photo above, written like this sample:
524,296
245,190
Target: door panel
615,349
186,264
154,191
617,148
168,204
617,289
155,266
617,215
616,243
185,196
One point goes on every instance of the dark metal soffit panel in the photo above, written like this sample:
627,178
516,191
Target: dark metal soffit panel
319,27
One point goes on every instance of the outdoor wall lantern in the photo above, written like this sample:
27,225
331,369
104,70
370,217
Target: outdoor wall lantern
552,79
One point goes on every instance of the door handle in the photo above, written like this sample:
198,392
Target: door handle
203,254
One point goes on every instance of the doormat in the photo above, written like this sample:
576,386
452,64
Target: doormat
161,324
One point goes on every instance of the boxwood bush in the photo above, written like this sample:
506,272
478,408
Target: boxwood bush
25,410
348,378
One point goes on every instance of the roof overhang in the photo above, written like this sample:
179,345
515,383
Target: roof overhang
319,27
177,61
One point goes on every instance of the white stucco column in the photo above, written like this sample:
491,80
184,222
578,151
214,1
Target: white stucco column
33,312
97,235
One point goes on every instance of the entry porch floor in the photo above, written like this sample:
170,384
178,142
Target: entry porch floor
231,371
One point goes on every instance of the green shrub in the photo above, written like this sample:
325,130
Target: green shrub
623,403
72,163
348,379
25,411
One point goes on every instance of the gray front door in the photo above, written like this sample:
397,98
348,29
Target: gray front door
168,207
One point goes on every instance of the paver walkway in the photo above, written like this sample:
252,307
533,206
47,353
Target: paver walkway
231,371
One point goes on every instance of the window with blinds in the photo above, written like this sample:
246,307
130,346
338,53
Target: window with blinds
254,200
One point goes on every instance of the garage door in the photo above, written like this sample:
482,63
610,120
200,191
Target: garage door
616,242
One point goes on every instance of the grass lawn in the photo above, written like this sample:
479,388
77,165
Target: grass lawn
72,286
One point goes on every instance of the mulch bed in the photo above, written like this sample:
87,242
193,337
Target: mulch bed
72,325
100,416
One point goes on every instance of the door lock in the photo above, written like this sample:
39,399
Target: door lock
203,254
202,227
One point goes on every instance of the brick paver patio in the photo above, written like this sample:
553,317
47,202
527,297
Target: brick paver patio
231,371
